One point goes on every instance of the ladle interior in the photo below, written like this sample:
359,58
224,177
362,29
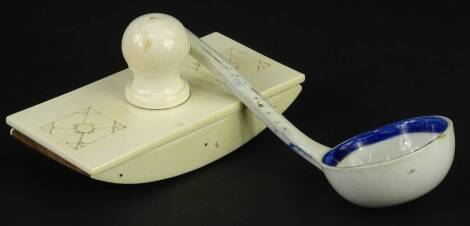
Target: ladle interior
388,142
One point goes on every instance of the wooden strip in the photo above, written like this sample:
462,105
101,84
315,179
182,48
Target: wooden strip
41,149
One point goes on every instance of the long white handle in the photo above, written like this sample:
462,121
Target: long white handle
311,150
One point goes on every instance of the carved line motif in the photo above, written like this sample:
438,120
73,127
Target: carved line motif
244,62
82,128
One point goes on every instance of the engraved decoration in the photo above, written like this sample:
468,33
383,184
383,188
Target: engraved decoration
82,128
244,62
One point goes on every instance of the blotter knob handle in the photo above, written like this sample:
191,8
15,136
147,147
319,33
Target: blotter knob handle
155,47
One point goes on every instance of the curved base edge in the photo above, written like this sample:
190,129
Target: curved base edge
197,149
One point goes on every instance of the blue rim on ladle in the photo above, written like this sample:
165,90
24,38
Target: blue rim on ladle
430,124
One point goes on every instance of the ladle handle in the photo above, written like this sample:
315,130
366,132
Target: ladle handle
293,137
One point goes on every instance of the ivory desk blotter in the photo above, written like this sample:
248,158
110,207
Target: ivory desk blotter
95,131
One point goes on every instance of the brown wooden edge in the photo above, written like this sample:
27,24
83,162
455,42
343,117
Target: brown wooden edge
41,149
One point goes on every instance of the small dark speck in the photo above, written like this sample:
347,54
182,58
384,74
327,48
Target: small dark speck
205,144
260,105
120,175
284,128
268,112
256,98
217,145
153,18
411,171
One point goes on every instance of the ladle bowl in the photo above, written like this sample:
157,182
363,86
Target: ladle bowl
393,164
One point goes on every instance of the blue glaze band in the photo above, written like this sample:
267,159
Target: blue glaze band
431,124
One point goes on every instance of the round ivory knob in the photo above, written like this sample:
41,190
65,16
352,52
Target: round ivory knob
155,47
